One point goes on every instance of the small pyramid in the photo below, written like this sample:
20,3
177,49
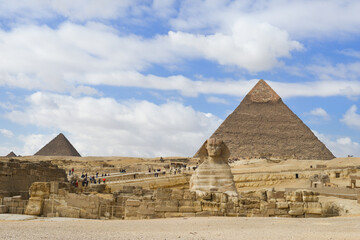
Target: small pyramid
59,146
263,126
11,154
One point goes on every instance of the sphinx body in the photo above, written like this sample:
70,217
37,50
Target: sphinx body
214,174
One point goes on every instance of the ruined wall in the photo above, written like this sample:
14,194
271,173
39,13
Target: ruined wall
133,202
17,176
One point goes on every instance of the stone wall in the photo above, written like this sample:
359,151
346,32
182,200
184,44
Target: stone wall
265,179
17,176
14,205
134,202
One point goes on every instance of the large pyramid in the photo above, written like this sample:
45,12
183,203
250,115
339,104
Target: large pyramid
263,126
59,146
11,154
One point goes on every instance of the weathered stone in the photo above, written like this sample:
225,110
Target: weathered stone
214,174
296,208
177,194
3,209
313,208
282,205
163,194
133,203
167,206
35,206
188,195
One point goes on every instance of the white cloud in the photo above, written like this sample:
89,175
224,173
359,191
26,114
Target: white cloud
38,57
319,112
34,142
103,126
350,53
340,147
6,132
351,118
213,99
301,18
249,45
349,71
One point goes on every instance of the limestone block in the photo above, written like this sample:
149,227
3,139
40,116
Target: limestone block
146,209
296,208
65,211
263,205
210,206
280,212
40,189
132,203
138,191
35,206
310,196
177,194
163,194
235,200
295,196
270,212
167,206
219,197
3,209
203,196
313,208
188,195
282,205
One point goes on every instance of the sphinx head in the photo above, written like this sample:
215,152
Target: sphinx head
214,147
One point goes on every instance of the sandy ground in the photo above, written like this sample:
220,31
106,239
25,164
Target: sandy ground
184,228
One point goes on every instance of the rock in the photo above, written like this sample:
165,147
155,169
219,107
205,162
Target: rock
35,206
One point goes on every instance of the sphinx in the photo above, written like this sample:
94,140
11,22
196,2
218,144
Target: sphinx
214,173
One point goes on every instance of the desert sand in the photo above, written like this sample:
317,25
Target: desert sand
184,228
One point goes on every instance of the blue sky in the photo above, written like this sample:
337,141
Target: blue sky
157,77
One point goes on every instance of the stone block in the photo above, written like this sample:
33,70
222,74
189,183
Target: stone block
270,212
132,203
146,209
210,206
279,212
296,209
219,197
310,196
189,209
20,210
163,193
167,206
40,189
35,206
295,196
282,205
65,211
188,195
177,194
313,208
138,192
3,209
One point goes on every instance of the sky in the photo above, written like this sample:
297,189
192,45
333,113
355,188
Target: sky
150,78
